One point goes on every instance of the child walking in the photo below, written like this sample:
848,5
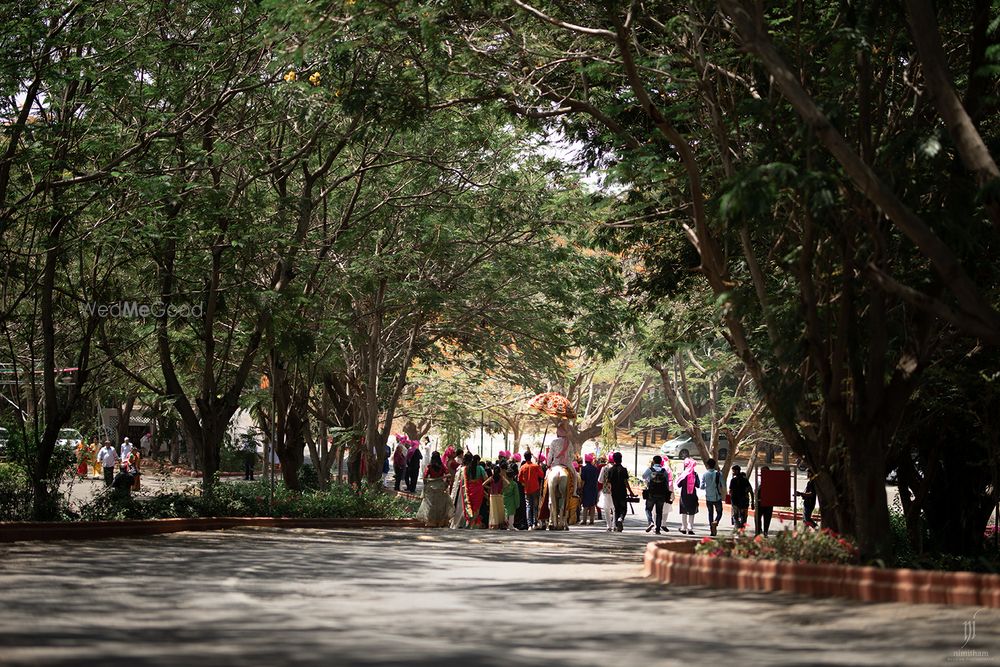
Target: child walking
511,494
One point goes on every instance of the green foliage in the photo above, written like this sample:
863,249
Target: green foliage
609,435
455,423
20,486
15,493
250,499
905,554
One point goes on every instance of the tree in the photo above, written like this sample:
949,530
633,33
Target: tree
786,245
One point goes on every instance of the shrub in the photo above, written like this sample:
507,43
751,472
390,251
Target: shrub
251,499
798,546
15,493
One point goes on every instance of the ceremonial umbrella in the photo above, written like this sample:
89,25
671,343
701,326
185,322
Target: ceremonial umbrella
553,404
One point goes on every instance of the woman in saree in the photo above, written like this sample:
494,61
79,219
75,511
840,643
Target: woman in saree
82,459
495,486
435,508
468,493
133,460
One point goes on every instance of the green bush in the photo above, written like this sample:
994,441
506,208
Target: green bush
251,499
17,496
902,547
15,493
308,477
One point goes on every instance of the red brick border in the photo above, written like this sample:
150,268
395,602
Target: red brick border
15,531
674,562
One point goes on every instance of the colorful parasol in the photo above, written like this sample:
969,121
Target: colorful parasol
553,404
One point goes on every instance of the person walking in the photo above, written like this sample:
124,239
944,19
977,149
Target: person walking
602,463
249,457
387,463
495,485
511,495
413,457
399,464
607,502
658,481
121,484
741,497
763,514
808,501
134,460
467,493
127,448
711,481
108,458
688,485
617,478
94,460
146,445
436,508
530,476
590,494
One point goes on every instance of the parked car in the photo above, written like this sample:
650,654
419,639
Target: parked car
4,437
683,446
69,437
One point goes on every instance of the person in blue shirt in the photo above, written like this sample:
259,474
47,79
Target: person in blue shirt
715,492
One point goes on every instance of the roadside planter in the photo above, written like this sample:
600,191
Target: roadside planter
675,562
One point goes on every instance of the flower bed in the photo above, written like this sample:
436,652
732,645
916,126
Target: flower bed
797,546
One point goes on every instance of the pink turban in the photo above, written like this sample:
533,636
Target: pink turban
576,466
588,458
517,458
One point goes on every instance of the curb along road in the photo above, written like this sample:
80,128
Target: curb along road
674,562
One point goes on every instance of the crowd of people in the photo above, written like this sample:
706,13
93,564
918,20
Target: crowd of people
463,491
120,468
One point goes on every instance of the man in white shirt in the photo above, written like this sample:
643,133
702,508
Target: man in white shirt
146,444
108,458
126,449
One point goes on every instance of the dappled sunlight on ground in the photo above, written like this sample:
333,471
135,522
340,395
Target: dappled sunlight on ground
423,597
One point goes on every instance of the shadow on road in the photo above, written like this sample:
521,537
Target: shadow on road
421,597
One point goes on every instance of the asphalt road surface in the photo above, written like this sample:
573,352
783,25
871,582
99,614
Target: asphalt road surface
431,597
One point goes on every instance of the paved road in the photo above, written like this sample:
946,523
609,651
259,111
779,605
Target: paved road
422,597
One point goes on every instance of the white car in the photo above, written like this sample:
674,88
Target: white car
683,446
69,437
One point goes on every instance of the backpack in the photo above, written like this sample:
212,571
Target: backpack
658,483
718,482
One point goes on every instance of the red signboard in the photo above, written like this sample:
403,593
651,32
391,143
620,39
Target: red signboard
775,488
